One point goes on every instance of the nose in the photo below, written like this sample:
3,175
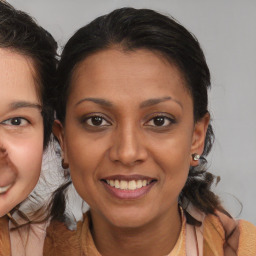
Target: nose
128,147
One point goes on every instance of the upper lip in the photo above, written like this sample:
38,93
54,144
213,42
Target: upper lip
129,177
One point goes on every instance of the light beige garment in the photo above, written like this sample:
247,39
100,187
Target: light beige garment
194,234
28,241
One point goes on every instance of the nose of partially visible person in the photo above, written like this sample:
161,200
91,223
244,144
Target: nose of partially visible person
128,147
8,171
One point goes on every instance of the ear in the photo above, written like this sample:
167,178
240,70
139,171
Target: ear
199,135
58,132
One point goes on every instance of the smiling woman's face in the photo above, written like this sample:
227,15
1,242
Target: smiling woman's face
21,130
129,134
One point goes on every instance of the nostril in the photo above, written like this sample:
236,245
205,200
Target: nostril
2,151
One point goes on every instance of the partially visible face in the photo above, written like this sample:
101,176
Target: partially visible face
129,134
21,130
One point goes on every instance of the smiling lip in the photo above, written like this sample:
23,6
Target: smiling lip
3,190
128,187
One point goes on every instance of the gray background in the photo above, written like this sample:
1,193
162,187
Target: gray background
227,33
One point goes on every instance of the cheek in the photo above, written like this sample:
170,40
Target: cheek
27,156
173,151
83,151
80,153
173,157
83,156
175,167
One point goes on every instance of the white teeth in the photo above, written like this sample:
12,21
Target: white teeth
123,184
139,184
128,185
4,189
117,185
132,185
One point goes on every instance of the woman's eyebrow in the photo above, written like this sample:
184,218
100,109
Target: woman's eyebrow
99,101
24,104
146,103
151,102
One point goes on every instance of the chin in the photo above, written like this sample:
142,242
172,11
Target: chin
6,205
4,210
130,218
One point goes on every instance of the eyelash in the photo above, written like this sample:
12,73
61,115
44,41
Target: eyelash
164,118
88,121
20,123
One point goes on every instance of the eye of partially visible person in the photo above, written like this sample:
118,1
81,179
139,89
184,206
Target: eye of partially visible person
16,121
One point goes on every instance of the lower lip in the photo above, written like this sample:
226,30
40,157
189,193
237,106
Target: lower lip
129,194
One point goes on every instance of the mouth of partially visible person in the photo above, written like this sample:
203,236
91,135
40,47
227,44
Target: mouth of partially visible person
4,189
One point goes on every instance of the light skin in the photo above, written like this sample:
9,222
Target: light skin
21,129
129,117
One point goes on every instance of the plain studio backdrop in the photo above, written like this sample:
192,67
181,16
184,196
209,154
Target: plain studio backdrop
226,31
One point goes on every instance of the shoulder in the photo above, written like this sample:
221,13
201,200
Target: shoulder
61,241
247,238
5,245
224,234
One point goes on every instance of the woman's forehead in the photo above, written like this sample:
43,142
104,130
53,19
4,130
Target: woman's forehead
122,79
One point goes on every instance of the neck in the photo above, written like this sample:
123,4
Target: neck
155,238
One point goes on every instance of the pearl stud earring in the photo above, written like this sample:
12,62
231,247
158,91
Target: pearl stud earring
195,157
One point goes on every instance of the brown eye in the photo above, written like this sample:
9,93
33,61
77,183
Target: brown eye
97,121
160,121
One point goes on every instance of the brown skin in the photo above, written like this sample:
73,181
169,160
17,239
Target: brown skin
130,142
